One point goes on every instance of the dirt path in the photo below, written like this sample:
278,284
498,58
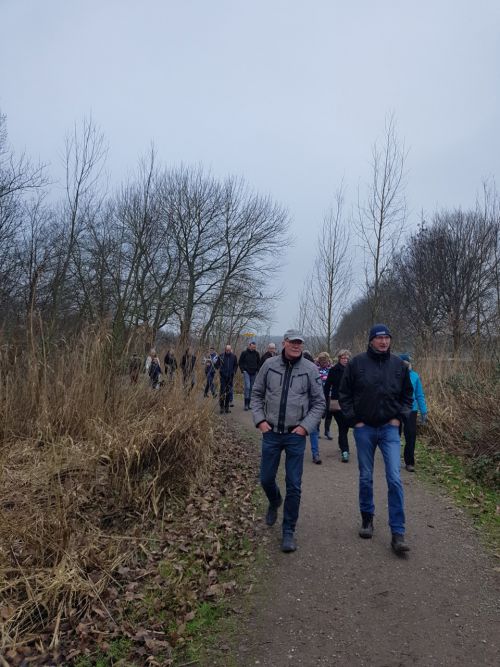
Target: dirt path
340,600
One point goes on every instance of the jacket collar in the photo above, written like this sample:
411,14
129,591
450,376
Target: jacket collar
378,356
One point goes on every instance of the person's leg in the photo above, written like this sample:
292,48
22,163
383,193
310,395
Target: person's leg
343,430
314,438
223,392
365,438
328,424
410,438
270,459
295,446
246,388
207,386
390,446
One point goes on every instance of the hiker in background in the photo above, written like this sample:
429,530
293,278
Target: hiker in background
154,372
227,363
188,366
152,353
313,435
134,368
210,362
170,363
287,404
271,352
410,421
375,396
249,365
324,364
332,386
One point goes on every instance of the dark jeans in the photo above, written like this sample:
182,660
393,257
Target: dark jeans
343,430
226,390
294,446
328,421
210,384
410,431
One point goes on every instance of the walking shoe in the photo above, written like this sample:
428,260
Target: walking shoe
231,405
398,543
288,543
227,411
366,530
328,436
222,411
272,513
410,468
316,460
345,457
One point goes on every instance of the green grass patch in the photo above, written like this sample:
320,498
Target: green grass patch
452,473
116,654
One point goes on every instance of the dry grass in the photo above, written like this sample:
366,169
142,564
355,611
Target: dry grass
464,409
83,456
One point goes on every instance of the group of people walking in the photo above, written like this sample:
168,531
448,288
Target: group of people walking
376,393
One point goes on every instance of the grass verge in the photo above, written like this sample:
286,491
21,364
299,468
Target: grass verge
450,472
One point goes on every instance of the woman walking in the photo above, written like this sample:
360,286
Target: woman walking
332,385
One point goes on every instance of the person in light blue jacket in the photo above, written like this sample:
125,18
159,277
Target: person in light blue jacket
410,422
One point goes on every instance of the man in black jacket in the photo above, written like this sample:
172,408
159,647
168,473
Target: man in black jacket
227,363
375,395
249,366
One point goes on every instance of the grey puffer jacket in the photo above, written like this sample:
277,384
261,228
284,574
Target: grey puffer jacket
287,394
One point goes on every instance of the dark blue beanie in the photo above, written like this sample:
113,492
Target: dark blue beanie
379,330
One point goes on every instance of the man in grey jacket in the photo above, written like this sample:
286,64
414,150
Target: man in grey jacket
287,404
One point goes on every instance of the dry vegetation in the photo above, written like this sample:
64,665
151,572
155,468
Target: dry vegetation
90,466
464,409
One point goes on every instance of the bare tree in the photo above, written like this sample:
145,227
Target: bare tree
326,288
382,213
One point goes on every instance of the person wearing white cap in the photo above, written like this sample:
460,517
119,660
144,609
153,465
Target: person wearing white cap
287,404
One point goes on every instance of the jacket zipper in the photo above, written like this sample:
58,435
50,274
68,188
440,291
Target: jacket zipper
284,397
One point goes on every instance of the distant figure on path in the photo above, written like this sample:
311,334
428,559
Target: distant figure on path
227,364
210,367
152,353
324,365
270,352
375,396
154,372
287,404
410,422
188,366
332,386
170,364
249,365
313,435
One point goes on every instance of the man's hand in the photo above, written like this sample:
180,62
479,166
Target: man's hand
394,422
298,430
359,424
264,427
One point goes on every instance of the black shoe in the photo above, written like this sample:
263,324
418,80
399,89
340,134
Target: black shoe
410,468
316,460
272,513
222,411
228,411
288,544
231,405
328,436
366,530
398,544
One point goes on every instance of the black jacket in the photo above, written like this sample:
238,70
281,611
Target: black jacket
265,357
332,384
227,364
375,389
250,361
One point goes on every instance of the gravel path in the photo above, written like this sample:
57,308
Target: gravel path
340,600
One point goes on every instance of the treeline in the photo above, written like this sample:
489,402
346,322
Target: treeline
442,286
174,248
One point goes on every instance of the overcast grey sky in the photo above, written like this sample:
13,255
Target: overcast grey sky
289,94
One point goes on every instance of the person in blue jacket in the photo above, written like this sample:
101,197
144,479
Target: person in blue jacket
410,422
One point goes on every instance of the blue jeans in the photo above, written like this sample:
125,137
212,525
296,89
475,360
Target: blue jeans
248,381
387,438
272,446
314,438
